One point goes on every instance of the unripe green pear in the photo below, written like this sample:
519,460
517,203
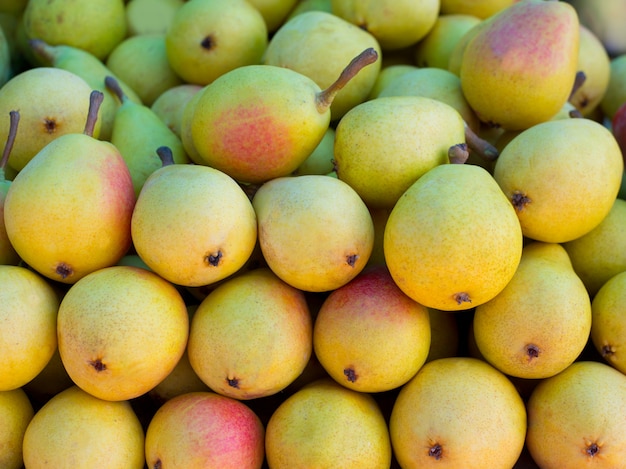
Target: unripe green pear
150,16
170,105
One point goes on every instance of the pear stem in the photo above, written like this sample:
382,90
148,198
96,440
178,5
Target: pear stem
482,147
579,80
95,100
14,119
458,154
114,86
42,49
166,155
324,98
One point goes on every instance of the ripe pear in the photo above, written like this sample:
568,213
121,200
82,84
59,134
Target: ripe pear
324,424
170,105
16,412
274,12
150,16
482,9
200,430
321,159
193,225
352,328
28,314
458,412
208,38
562,177
251,336
96,26
413,135
186,122
315,232
540,322
92,70
75,429
386,75
615,93
121,331
394,24
453,241
503,77
141,62
261,122
8,256
137,132
68,212
331,42
51,102
608,328
575,418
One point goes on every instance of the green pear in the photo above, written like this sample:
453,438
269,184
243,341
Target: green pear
170,105
52,102
321,159
259,122
13,6
386,75
8,256
68,212
331,42
384,145
274,12
395,24
605,19
208,38
137,133
615,93
310,5
93,71
150,16
186,126
5,58
96,26
141,63
503,77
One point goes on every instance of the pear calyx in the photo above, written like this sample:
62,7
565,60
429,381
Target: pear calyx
435,451
14,119
95,100
520,200
166,155
324,98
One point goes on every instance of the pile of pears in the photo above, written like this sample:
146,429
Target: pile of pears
312,233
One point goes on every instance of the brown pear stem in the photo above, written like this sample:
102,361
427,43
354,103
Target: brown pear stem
482,147
579,80
166,155
324,98
95,100
14,119
114,86
42,49
458,154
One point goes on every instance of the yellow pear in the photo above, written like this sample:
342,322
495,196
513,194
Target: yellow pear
274,12
121,331
75,429
562,177
608,326
352,330
575,418
540,322
251,336
458,412
315,232
150,16
453,241
326,425
600,254
503,77
28,313
321,159
16,412
482,9
386,75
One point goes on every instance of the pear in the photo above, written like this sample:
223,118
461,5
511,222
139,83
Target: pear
413,135
92,70
540,322
260,122
503,77
274,12
13,6
310,5
482,9
615,93
8,256
150,16
16,411
75,429
121,331
575,418
96,26
387,74
170,105
68,212
562,177
453,240
137,133
193,225
141,62
29,314
605,20
458,412
51,102
315,232
327,425
394,24
251,336
321,159
331,42
208,38
5,58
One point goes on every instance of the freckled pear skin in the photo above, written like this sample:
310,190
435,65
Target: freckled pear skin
520,67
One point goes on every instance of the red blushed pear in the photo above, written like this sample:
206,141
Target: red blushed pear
259,122
68,212
619,129
8,256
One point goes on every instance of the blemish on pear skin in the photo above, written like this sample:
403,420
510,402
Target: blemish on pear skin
532,351
351,259
157,464
520,200
607,350
98,365
462,297
233,382
350,374
592,449
208,42
49,125
435,451
213,259
63,270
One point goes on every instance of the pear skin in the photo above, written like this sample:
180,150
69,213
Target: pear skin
16,412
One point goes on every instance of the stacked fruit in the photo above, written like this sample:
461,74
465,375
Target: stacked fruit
315,233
